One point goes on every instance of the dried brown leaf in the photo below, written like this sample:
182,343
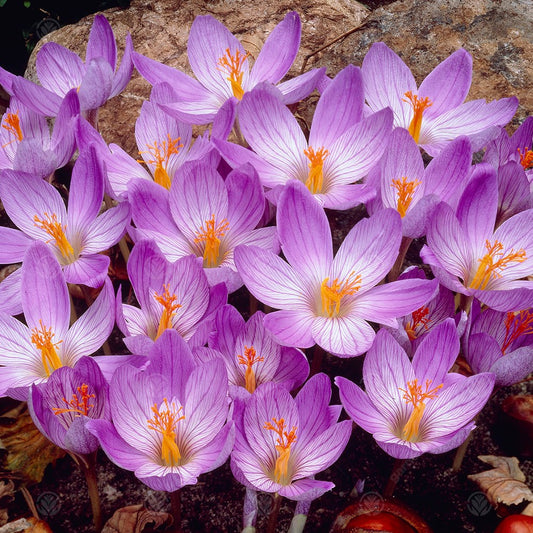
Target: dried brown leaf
134,518
7,491
505,483
37,526
29,451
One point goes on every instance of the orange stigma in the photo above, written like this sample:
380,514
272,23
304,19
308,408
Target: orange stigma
164,421
419,106
491,264
12,125
250,357
416,396
232,65
56,230
161,152
517,325
315,178
168,301
419,320
210,236
526,158
42,338
79,406
332,294
405,191
283,447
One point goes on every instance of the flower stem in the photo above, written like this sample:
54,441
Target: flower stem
175,509
87,464
273,518
397,267
460,454
397,470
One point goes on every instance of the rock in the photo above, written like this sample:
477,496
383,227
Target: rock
497,34
160,30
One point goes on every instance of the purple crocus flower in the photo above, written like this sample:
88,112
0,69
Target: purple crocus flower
59,70
61,407
469,256
416,325
499,342
416,407
30,353
171,296
221,67
252,356
26,143
282,442
324,299
435,112
169,420
343,146
414,191
77,233
204,215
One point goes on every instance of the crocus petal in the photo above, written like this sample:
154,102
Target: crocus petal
343,99
305,489
10,291
301,86
14,245
44,291
513,367
386,79
58,68
448,84
291,327
101,42
304,232
96,86
278,52
36,97
90,270
107,229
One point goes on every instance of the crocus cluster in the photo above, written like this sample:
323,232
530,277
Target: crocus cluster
243,214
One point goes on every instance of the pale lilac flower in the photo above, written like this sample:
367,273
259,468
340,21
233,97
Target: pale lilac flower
222,70
30,353
26,143
171,296
512,157
252,356
469,256
61,407
164,144
169,420
342,147
205,216
416,407
282,442
324,299
413,327
434,113
77,234
404,184
59,70
499,342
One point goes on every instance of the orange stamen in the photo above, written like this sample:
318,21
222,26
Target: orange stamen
232,65
416,396
517,325
250,357
56,230
75,405
212,242
405,190
12,125
332,294
164,421
283,447
419,106
419,320
42,338
491,264
168,301
526,159
161,153
315,178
